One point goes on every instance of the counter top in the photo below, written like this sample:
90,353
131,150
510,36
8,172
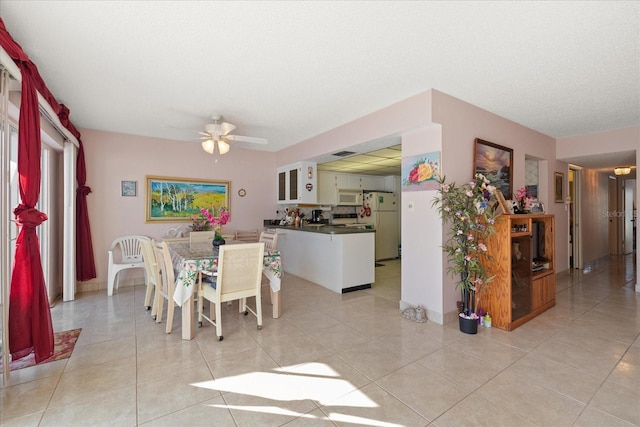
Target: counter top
323,229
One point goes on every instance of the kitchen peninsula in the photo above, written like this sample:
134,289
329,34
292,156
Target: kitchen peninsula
338,258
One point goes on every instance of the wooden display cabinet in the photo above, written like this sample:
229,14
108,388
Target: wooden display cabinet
524,268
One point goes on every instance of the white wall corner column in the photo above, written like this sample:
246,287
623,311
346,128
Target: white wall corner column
69,226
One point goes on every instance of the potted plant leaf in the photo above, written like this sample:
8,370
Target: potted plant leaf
469,210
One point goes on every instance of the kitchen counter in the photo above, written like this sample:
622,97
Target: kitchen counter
339,258
323,229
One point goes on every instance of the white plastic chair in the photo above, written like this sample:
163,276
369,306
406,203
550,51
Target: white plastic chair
167,284
125,252
239,277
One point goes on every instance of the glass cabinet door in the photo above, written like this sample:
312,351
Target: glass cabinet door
521,264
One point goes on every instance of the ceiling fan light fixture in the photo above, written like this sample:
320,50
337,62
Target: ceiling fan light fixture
223,147
622,171
208,145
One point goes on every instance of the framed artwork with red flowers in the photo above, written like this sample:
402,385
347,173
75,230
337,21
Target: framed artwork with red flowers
420,172
170,199
495,162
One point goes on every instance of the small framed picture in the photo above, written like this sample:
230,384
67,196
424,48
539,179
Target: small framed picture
129,188
559,187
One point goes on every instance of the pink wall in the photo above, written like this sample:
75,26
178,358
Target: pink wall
461,124
112,158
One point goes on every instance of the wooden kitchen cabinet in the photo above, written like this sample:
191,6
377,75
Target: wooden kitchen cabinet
517,293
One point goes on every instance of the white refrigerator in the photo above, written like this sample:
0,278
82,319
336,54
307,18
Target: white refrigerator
381,210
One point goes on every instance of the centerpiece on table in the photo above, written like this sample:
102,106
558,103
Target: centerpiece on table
214,220
469,210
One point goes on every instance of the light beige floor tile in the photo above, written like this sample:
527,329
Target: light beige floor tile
236,340
26,399
32,420
424,391
211,412
36,372
104,352
592,417
372,406
627,371
619,401
314,418
116,408
247,361
373,360
252,410
172,359
179,390
324,380
338,337
467,372
85,383
490,351
596,363
537,404
296,350
475,411
558,377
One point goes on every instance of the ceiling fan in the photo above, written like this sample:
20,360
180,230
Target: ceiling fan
216,136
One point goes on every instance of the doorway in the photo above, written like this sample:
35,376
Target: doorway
573,205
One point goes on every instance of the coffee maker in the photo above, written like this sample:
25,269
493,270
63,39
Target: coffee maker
316,216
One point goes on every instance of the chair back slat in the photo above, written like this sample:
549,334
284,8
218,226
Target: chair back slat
269,239
247,236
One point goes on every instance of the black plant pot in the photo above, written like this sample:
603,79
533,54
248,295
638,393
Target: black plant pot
468,326
218,242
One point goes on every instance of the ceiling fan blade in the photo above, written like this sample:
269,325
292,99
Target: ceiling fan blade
204,134
250,139
219,128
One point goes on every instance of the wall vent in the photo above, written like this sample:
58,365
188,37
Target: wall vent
344,153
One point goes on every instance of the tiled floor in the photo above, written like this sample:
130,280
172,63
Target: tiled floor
347,360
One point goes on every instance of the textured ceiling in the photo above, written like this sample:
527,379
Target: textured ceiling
288,71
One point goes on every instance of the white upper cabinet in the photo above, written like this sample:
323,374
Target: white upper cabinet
330,182
298,183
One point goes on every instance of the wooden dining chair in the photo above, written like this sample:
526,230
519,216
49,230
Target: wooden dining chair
238,277
269,239
201,236
247,236
151,273
167,284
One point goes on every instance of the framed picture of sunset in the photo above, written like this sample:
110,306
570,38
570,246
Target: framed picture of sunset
495,162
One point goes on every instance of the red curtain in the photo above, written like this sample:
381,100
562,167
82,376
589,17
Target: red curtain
30,326
85,264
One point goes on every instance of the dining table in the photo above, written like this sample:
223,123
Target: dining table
189,259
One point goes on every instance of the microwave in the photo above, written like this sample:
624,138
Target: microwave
349,197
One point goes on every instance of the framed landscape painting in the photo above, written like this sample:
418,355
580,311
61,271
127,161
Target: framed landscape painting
178,199
495,162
